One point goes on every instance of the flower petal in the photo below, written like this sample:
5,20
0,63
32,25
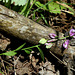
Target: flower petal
49,46
74,37
72,32
52,40
52,35
47,43
65,44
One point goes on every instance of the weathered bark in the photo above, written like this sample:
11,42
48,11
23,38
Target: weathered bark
22,27
26,29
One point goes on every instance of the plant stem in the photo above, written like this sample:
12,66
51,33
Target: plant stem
30,47
24,8
30,8
63,38
43,6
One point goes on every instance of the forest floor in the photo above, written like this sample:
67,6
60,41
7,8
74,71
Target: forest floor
24,64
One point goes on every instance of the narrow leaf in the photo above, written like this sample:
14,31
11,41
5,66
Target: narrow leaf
10,53
38,4
27,51
30,8
20,47
41,53
44,19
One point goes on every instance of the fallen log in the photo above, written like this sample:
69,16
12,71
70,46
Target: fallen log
21,27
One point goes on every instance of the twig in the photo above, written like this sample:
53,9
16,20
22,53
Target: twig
3,65
15,62
8,63
61,61
57,58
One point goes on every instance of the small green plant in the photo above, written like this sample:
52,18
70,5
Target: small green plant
27,50
24,7
52,6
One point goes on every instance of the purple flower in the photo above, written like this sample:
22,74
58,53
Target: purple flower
52,40
65,44
47,43
52,35
72,32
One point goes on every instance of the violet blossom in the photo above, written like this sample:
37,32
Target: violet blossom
52,40
47,43
65,44
52,35
72,33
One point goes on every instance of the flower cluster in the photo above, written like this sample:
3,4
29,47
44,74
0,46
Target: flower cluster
49,43
53,37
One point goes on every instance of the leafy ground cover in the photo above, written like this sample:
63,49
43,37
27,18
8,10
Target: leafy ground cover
28,61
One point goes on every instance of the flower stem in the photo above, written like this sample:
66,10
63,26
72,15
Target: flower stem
63,38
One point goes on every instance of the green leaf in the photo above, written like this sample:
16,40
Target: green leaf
72,10
65,5
33,17
10,53
54,7
20,47
42,6
25,8
38,4
38,19
16,2
41,53
27,51
30,8
49,46
44,19
43,41
19,2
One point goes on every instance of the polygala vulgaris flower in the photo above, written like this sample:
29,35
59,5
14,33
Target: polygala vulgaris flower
72,32
47,43
65,44
52,35
52,40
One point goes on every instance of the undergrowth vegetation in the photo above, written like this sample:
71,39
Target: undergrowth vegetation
30,9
